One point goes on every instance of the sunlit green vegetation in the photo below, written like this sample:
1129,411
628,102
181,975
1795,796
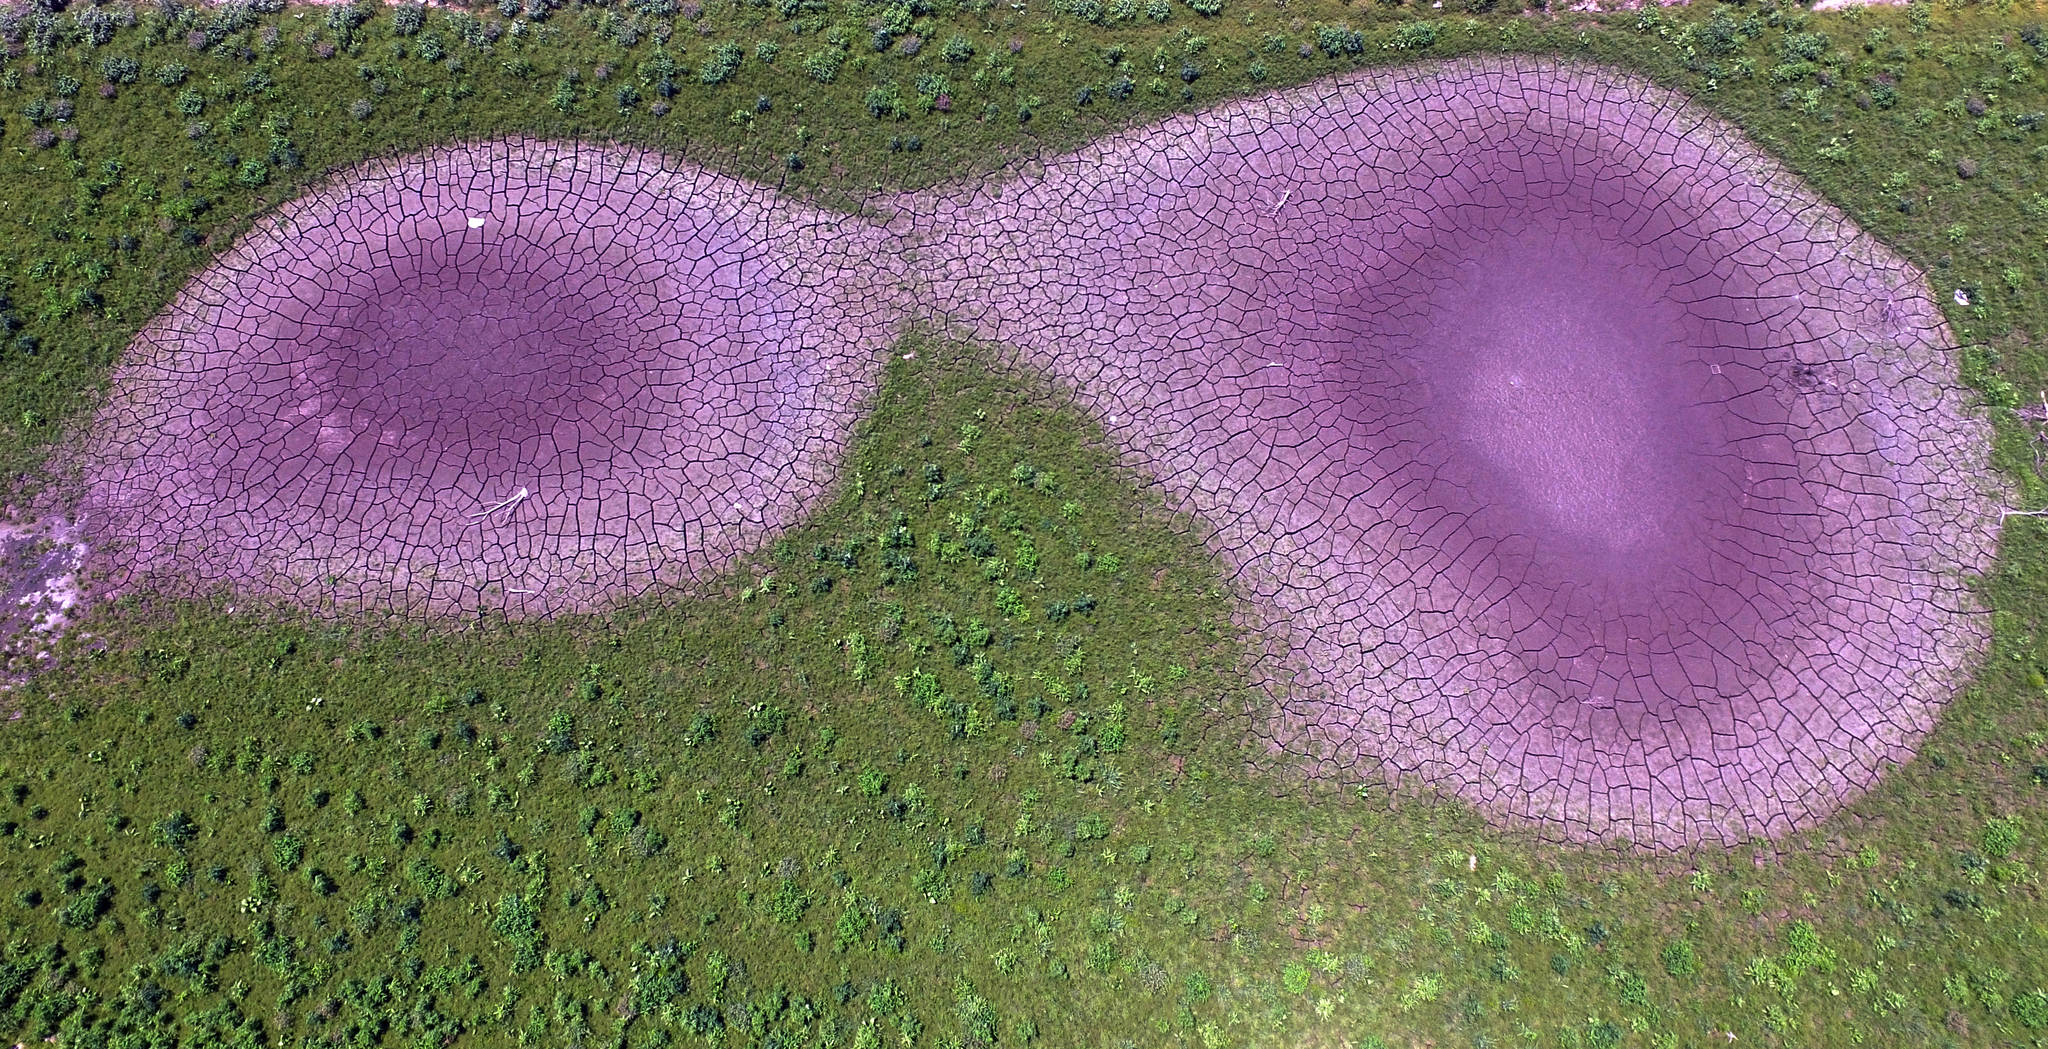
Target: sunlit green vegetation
958,762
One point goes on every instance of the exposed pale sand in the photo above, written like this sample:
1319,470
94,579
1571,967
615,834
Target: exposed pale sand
40,563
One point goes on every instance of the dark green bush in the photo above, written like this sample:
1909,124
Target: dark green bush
1680,959
120,69
1339,39
1810,47
885,102
721,63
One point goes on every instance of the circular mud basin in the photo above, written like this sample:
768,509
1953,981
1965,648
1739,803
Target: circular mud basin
524,377
1580,460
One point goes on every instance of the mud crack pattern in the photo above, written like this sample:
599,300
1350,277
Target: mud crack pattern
1578,459
1571,455
524,377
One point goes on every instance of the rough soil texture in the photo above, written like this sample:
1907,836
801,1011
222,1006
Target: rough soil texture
1581,461
519,377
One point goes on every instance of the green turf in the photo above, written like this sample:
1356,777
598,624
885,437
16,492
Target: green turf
967,770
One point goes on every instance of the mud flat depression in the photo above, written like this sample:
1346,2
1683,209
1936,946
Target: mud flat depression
1575,458
1585,463
518,376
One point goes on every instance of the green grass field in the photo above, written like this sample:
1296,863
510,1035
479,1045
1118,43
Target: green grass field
959,762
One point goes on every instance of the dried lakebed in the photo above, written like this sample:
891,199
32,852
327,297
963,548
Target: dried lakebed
1573,456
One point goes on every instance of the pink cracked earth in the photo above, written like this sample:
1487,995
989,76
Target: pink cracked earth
1580,460
1574,458
520,376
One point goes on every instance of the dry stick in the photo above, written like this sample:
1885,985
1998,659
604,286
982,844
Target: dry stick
511,500
2040,433
2040,439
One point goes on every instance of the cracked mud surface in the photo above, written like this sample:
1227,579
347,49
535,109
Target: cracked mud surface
524,377
1581,461
1572,456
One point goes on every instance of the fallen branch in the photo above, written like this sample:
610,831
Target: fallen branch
509,501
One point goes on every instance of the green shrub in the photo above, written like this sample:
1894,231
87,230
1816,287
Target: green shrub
884,102
561,736
1414,36
86,909
885,998
176,830
1102,956
2031,1009
1792,72
120,69
1629,987
286,852
517,923
703,729
722,62
1719,35
824,64
1810,47
1680,960
1294,978
2001,837
1094,12
431,881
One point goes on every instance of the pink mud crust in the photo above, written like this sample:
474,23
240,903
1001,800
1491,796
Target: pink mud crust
1581,461
520,376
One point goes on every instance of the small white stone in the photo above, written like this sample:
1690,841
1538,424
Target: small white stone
475,222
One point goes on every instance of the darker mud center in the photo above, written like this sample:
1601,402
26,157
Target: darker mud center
1588,450
1557,387
474,353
